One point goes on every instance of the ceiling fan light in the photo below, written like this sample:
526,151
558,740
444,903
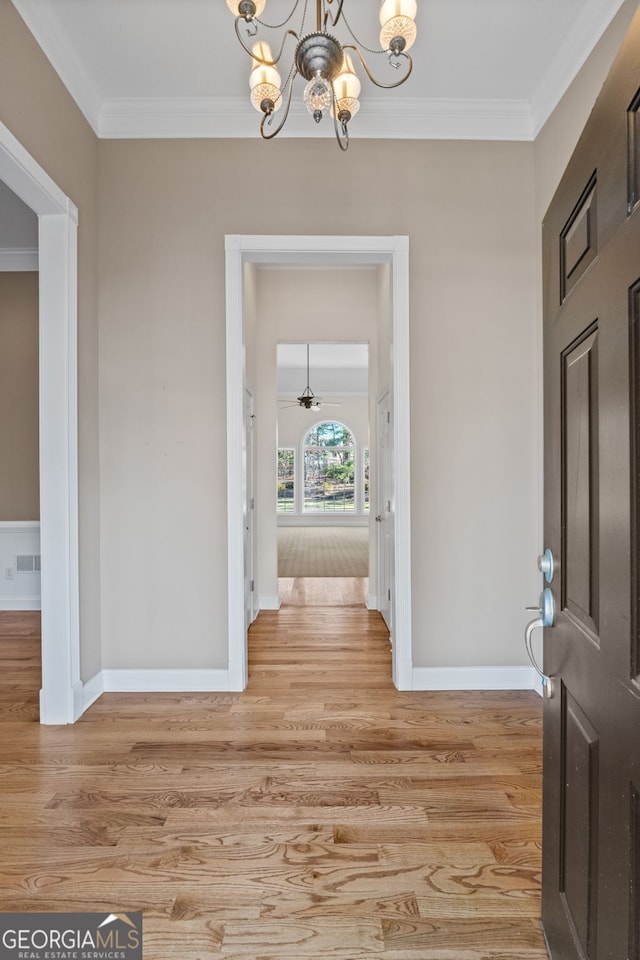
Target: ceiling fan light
246,8
398,34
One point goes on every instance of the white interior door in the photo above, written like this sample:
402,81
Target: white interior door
249,510
384,512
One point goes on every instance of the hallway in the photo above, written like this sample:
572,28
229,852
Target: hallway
319,814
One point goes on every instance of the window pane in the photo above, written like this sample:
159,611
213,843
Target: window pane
329,434
365,502
329,480
286,473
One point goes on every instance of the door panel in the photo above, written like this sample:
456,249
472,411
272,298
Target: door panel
591,818
579,843
580,478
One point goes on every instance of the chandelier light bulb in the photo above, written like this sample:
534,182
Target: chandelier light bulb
397,8
347,85
262,70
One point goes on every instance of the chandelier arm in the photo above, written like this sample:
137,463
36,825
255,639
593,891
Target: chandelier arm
383,86
267,116
333,20
278,26
343,141
265,63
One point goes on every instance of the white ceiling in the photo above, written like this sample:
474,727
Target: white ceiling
489,69
334,369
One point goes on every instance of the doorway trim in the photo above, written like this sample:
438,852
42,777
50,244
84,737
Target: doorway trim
394,251
61,692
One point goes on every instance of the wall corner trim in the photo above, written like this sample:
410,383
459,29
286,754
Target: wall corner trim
269,603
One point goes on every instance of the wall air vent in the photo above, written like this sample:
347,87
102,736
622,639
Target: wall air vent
28,563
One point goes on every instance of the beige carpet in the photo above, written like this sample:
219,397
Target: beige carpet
323,552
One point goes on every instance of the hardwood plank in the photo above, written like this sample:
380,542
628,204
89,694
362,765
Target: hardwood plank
320,813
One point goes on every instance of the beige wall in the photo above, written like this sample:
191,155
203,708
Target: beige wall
37,109
19,486
468,209
472,213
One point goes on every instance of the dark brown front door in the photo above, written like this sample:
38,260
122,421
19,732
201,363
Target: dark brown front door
591,818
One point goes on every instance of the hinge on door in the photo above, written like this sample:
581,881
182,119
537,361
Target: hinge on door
252,507
252,587
388,416
388,506
389,594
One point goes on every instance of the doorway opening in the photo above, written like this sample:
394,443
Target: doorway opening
61,693
323,473
20,652
243,254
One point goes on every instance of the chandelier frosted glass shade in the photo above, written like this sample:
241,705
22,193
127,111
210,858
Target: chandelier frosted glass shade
398,29
346,90
264,80
347,83
240,8
397,8
397,20
266,97
322,57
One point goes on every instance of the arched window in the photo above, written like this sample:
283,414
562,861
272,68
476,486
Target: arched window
329,469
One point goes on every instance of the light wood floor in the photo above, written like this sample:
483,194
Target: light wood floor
319,814
323,591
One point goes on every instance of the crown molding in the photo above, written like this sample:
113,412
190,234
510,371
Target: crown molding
592,21
393,118
18,260
37,16
379,118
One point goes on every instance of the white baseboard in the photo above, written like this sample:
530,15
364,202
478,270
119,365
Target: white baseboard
165,681
537,685
323,520
148,681
269,603
372,602
20,603
475,678
91,690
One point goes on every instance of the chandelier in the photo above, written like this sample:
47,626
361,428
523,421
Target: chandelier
320,59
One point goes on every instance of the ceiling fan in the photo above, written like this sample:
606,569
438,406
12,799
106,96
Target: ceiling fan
307,398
